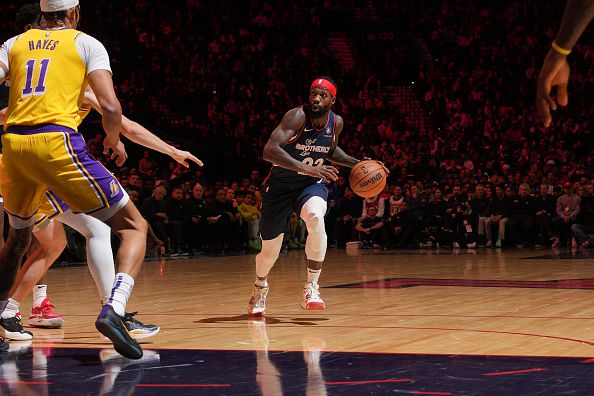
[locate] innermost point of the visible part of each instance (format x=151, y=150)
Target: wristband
x=560, y=49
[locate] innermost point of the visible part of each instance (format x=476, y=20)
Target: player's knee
x=142, y=226
x=270, y=250
x=58, y=242
x=314, y=222
x=313, y=213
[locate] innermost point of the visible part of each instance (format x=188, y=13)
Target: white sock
x=122, y=287
x=39, y=294
x=11, y=309
x=313, y=275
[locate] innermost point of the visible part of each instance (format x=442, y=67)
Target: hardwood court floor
x=200, y=303
x=519, y=303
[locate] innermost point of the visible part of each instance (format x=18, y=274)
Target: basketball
x=368, y=178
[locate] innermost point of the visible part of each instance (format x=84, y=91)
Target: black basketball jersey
x=311, y=146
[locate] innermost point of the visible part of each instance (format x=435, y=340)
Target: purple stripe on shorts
x=109, y=185
x=55, y=200
x=43, y=128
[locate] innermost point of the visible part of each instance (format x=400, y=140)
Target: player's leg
x=102, y=266
x=47, y=246
x=264, y=262
x=23, y=194
x=48, y=243
x=51, y=240
x=131, y=228
x=313, y=212
x=98, y=247
x=276, y=214
x=87, y=186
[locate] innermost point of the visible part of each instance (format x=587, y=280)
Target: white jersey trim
x=93, y=53
x=5, y=50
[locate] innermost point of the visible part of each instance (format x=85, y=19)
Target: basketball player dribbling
x=298, y=148
x=49, y=70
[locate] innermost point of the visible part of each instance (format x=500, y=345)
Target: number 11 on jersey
x=40, y=87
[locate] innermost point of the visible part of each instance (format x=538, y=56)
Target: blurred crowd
x=217, y=76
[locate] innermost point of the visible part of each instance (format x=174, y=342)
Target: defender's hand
x=183, y=157
x=554, y=73
x=118, y=151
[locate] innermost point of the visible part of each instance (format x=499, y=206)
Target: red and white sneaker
x=311, y=298
x=257, y=303
x=44, y=316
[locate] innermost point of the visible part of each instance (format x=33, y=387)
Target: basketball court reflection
x=268, y=376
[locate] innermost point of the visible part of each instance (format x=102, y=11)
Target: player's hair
x=54, y=16
x=27, y=15
x=327, y=78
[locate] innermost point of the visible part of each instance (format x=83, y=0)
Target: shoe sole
x=55, y=323
x=120, y=343
x=141, y=334
x=14, y=336
x=314, y=306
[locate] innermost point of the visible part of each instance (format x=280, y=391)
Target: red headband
x=320, y=82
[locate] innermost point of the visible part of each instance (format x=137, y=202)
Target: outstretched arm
x=577, y=15
x=555, y=69
x=142, y=136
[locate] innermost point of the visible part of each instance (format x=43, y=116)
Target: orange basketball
x=368, y=178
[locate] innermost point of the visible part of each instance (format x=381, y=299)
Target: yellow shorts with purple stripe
x=51, y=207
x=52, y=157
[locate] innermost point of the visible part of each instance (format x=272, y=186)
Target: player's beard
x=320, y=112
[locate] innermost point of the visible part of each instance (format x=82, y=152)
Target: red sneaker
x=311, y=298
x=44, y=316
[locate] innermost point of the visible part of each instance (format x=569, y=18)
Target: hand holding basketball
x=368, y=178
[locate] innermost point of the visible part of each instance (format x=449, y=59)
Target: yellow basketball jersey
x=83, y=112
x=47, y=79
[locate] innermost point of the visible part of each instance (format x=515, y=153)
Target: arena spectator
x=349, y=210
x=567, y=209
x=545, y=211
x=521, y=212
x=370, y=227
x=177, y=221
x=196, y=209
